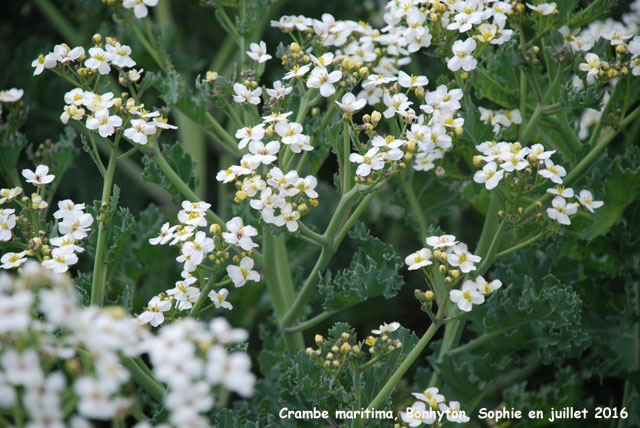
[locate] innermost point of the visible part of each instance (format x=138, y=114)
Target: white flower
x=398, y=103
x=279, y=91
x=61, y=259
x=485, y=287
x=245, y=95
x=553, y=172
x=349, y=104
x=290, y=217
x=232, y=371
x=7, y=195
x=441, y=241
x=15, y=311
x=11, y=260
x=412, y=81
x=460, y=257
x=154, y=314
x=184, y=294
x=561, y=191
x=120, y=55
x=614, y=37
x=321, y=79
x=22, y=368
x=39, y=177
x=11, y=95
x=462, y=55
x=370, y=161
x=76, y=227
x=219, y=298
x=104, y=123
x=418, y=414
x=453, y=412
x=377, y=80
x=467, y=297
x=430, y=396
x=539, y=151
x=418, y=259
x=98, y=60
x=264, y=154
x=43, y=62
x=249, y=134
x=591, y=66
x=586, y=199
x=544, y=8
x=385, y=328
x=139, y=131
x=166, y=235
x=560, y=210
x=489, y=175
x=243, y=273
x=307, y=186
x=258, y=52
x=239, y=234
x=95, y=398
x=139, y=6
x=7, y=223
x=297, y=72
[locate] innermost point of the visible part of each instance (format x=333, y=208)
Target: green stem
x=415, y=206
x=231, y=143
x=479, y=341
x=314, y=236
x=148, y=383
x=305, y=325
x=99, y=265
x=58, y=20
x=520, y=245
x=193, y=140
x=346, y=150
x=175, y=179
x=148, y=47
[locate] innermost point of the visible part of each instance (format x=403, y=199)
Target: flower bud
x=436, y=254
x=536, y=49
x=314, y=202
x=330, y=356
x=335, y=349
x=348, y=63
x=370, y=340
x=211, y=76
x=215, y=229
x=459, y=131
x=356, y=349
x=294, y=47
x=428, y=295
x=375, y=117
x=440, y=172
x=442, y=269
x=345, y=347
x=96, y=39
x=363, y=72
x=455, y=273
x=319, y=339
x=621, y=49
x=477, y=161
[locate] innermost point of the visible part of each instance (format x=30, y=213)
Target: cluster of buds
x=382, y=345
x=333, y=355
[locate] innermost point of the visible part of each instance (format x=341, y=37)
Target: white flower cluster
x=500, y=118
x=195, y=249
x=431, y=403
x=620, y=35
x=511, y=158
x=73, y=224
x=454, y=257
x=190, y=356
x=279, y=196
x=11, y=95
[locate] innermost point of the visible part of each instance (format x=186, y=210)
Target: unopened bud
x=319, y=339
x=477, y=161
x=459, y=131
x=215, y=229
x=455, y=273
x=442, y=269
x=294, y=47
x=429, y=295
x=348, y=63
x=211, y=76
x=96, y=39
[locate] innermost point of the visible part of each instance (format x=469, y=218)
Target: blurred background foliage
x=563, y=331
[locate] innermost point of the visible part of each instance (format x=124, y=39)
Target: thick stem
x=346, y=150
x=142, y=378
x=99, y=265
x=415, y=207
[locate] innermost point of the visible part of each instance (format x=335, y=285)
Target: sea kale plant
x=397, y=214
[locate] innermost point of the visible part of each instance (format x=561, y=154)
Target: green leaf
x=373, y=272
x=181, y=162
x=622, y=182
